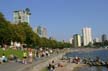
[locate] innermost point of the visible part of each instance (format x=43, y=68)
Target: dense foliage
x=101, y=44
x=23, y=33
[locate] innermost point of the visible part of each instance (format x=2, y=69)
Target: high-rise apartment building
x=21, y=16
x=104, y=37
x=44, y=32
x=41, y=31
x=77, y=40
x=87, y=36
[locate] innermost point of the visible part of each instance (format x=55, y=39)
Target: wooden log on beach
x=97, y=64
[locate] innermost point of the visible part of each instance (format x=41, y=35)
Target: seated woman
x=4, y=58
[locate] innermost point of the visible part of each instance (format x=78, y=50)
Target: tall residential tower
x=87, y=36
x=41, y=31
x=104, y=37
x=21, y=16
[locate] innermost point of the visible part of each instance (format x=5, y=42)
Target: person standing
x=24, y=57
x=30, y=56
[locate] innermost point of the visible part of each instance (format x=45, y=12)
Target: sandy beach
x=68, y=66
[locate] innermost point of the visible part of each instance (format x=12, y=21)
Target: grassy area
x=9, y=51
x=44, y=69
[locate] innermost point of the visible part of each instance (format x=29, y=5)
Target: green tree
x=5, y=30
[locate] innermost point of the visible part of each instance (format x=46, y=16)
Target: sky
x=62, y=18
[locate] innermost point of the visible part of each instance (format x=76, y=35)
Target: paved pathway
x=10, y=66
x=14, y=66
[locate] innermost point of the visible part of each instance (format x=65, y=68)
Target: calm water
x=103, y=54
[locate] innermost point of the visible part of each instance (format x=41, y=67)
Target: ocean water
x=93, y=69
x=102, y=54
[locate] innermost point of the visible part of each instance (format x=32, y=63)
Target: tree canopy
x=23, y=33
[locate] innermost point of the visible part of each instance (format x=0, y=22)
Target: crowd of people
x=28, y=55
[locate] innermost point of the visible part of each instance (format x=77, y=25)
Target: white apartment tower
x=21, y=16
x=87, y=36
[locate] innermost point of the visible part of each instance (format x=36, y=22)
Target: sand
x=69, y=66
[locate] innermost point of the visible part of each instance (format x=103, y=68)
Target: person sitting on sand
x=97, y=59
x=76, y=60
x=13, y=57
x=51, y=66
x=60, y=65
